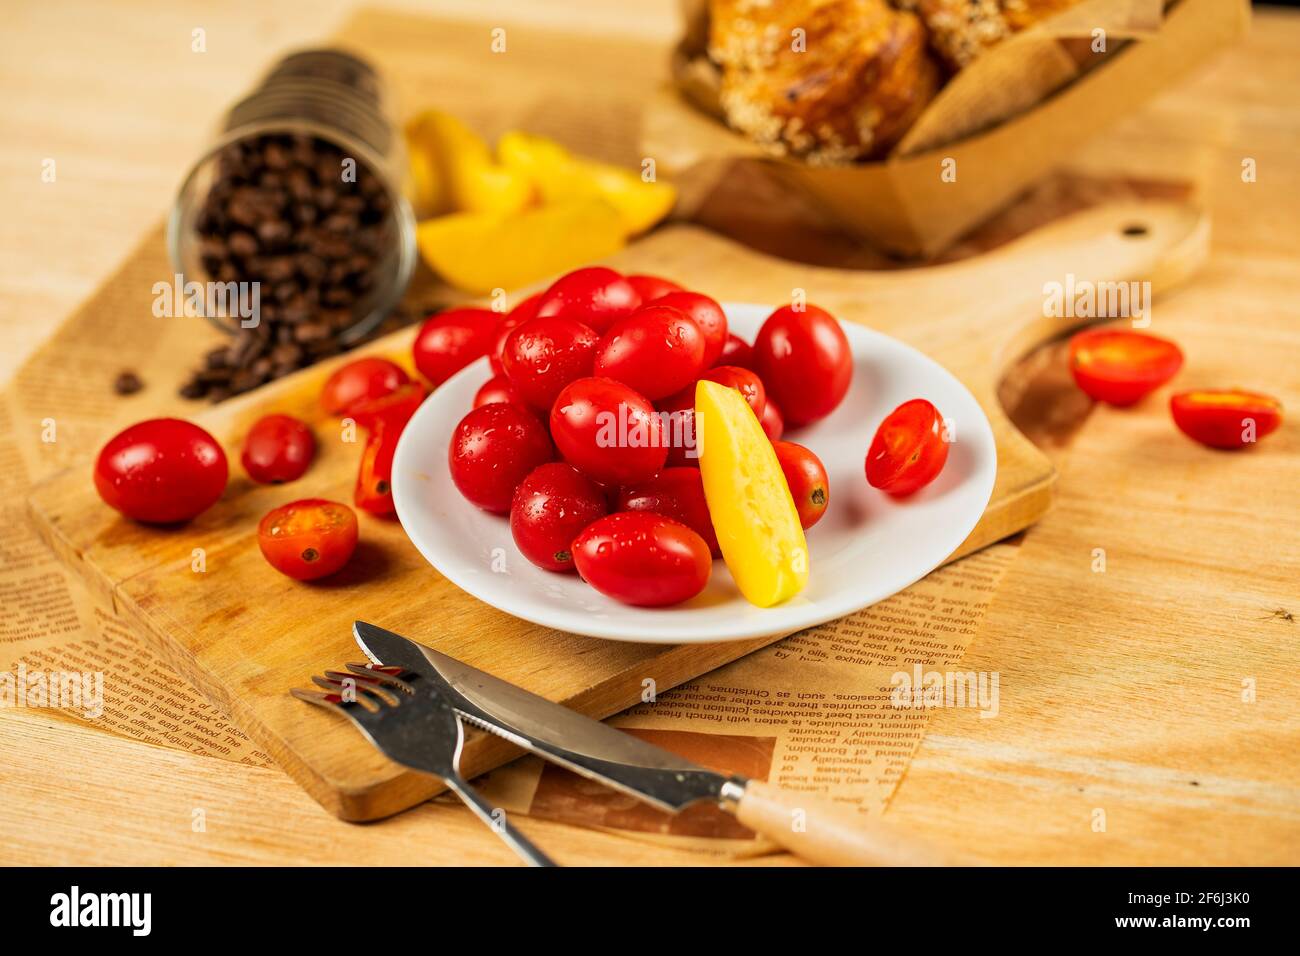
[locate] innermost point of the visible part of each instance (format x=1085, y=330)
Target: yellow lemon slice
x=453, y=170
x=559, y=176
x=753, y=513
x=479, y=252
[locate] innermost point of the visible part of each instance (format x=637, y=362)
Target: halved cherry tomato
x=546, y=353
x=650, y=288
x=496, y=389
x=394, y=409
x=771, y=420
x=596, y=296
x=708, y=315
x=374, y=488
x=909, y=450
x=359, y=381
x=1119, y=367
x=1226, y=418
x=277, y=448
x=493, y=449
x=805, y=475
x=551, y=507
x=308, y=539
x=519, y=314
x=386, y=419
x=804, y=360
x=451, y=340
x=643, y=559
x=742, y=380
x=676, y=493
x=657, y=350
x=736, y=351
x=607, y=431
x=161, y=470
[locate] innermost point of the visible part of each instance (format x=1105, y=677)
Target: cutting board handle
x=821, y=832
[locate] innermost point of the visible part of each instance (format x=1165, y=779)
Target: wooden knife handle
x=820, y=832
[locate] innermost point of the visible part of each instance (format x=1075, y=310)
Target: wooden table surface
x=1122, y=692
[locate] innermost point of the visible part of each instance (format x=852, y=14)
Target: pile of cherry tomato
x=625, y=508
x=627, y=512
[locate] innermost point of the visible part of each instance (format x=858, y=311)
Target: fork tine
x=372, y=683
x=385, y=695
x=383, y=675
x=369, y=695
x=328, y=701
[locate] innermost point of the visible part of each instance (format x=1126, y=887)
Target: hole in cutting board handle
x=1135, y=230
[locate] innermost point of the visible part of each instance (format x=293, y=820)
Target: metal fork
x=411, y=724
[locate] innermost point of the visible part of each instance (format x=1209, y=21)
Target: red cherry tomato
x=277, y=448
x=1227, y=418
x=608, y=431
x=161, y=470
x=1119, y=367
x=773, y=424
x=657, y=350
x=497, y=389
x=359, y=381
x=492, y=450
x=643, y=559
x=736, y=351
x=451, y=340
x=394, y=409
x=386, y=419
x=650, y=288
x=742, y=380
x=373, y=492
x=908, y=451
x=308, y=539
x=806, y=477
x=676, y=493
x=518, y=315
x=677, y=414
x=595, y=296
x=804, y=360
x=551, y=507
x=708, y=315
x=546, y=353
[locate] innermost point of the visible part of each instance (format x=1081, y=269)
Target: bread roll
x=830, y=81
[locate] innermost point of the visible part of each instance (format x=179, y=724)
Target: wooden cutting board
x=244, y=635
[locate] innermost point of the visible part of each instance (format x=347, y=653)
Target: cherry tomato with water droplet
x=643, y=559
x=550, y=508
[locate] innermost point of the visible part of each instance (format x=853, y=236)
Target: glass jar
x=324, y=102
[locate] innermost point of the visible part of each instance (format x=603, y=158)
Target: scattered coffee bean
x=127, y=383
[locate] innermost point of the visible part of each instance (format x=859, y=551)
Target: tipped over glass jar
x=291, y=232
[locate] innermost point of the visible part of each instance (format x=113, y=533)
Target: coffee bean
x=274, y=232
x=280, y=213
x=127, y=383
x=311, y=332
x=242, y=244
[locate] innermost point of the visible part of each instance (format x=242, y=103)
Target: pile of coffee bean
x=287, y=212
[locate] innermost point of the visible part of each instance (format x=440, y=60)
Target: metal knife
x=808, y=826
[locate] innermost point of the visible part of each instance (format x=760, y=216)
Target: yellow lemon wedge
x=749, y=501
x=453, y=169
x=559, y=176
x=479, y=252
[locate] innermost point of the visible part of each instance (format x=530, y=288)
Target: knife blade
x=586, y=746
x=804, y=824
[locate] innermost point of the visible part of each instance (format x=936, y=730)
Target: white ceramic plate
x=867, y=546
